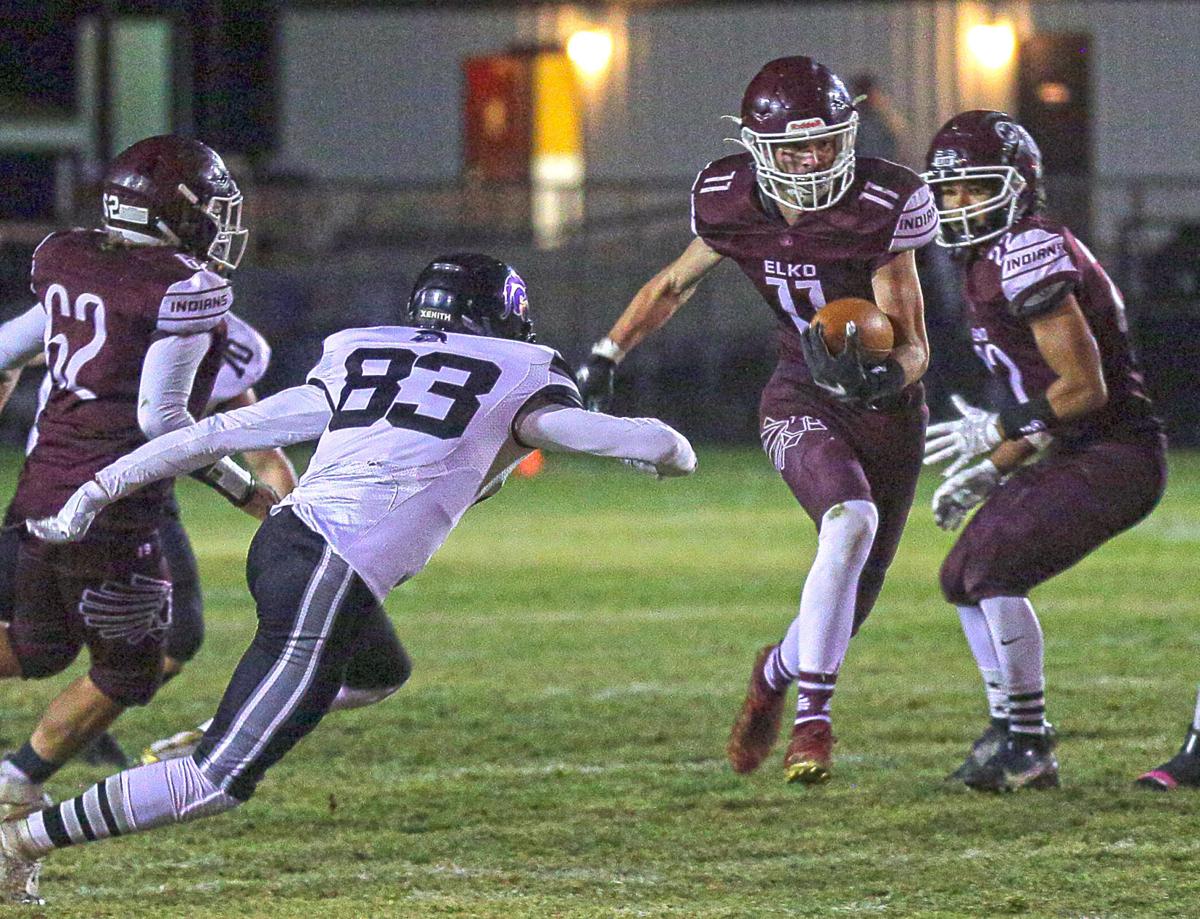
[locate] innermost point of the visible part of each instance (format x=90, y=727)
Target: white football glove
x=976, y=432
x=76, y=516
x=963, y=491
x=682, y=461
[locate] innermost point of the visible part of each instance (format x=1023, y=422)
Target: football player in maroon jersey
x=131, y=321
x=808, y=221
x=1047, y=320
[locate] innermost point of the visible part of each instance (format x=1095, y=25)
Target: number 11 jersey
x=421, y=429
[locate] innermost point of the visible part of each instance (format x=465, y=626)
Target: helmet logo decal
x=947, y=159
x=806, y=124
x=127, y=213
x=516, y=301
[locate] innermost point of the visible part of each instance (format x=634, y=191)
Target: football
x=875, y=333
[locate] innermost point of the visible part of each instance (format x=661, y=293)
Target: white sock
x=818, y=637
x=142, y=798
x=1020, y=651
x=979, y=639
x=11, y=772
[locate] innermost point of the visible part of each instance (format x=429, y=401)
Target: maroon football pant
x=1049, y=515
x=829, y=452
x=111, y=593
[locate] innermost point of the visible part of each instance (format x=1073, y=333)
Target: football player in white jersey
x=414, y=424
x=244, y=360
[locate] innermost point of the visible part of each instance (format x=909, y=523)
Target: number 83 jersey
x=421, y=429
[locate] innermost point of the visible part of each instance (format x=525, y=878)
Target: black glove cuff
x=1027, y=418
x=884, y=380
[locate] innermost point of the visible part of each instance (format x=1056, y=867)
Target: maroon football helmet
x=174, y=190
x=984, y=146
x=795, y=100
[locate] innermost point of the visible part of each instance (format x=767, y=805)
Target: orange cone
x=531, y=465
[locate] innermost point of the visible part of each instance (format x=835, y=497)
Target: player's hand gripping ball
x=875, y=333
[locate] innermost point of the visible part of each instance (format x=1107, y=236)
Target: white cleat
x=18, y=874
x=19, y=877
x=177, y=745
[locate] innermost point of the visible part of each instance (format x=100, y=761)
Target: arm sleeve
x=575, y=430
x=290, y=417
x=22, y=338
x=168, y=373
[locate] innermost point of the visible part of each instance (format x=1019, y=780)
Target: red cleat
x=757, y=726
x=809, y=758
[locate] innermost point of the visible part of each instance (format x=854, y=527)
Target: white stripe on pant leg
x=248, y=706
x=289, y=707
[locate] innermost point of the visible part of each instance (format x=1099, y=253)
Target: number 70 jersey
x=421, y=429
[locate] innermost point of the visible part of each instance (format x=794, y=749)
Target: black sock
x=1000, y=724
x=38, y=769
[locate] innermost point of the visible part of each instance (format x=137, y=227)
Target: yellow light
x=590, y=50
x=993, y=45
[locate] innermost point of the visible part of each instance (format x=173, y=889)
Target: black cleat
x=984, y=747
x=1180, y=771
x=1023, y=761
x=105, y=751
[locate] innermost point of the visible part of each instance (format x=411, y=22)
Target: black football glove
x=595, y=381
x=846, y=377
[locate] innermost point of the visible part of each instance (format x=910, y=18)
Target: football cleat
x=809, y=757
x=1023, y=761
x=177, y=745
x=757, y=726
x=985, y=746
x=105, y=751
x=19, y=877
x=1181, y=771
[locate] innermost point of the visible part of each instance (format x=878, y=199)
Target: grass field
x=581, y=646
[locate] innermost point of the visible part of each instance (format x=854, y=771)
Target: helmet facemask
x=229, y=238
x=981, y=221
x=811, y=191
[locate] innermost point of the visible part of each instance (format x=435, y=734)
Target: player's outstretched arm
x=897, y=292
x=647, y=312
x=640, y=440
x=290, y=417
x=272, y=467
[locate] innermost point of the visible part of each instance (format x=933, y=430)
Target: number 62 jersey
x=421, y=427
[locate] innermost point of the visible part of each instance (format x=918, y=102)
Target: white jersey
x=243, y=362
x=421, y=429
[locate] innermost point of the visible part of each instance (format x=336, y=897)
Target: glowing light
x=590, y=50
x=992, y=45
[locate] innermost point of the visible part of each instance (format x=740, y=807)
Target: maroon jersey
x=827, y=254
x=1027, y=272
x=105, y=304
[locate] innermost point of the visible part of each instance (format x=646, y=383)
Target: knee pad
x=950, y=577
x=185, y=635
x=849, y=528
x=45, y=660
x=127, y=688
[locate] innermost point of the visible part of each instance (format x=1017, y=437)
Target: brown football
x=875, y=333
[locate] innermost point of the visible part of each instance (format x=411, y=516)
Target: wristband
x=609, y=350
x=1027, y=418
x=229, y=480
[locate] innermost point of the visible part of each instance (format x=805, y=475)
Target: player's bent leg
x=310, y=609
x=378, y=666
x=185, y=634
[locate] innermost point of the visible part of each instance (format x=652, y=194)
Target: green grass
x=581, y=646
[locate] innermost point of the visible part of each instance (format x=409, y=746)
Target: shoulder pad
x=917, y=223
x=720, y=194
x=195, y=304
x=1030, y=263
